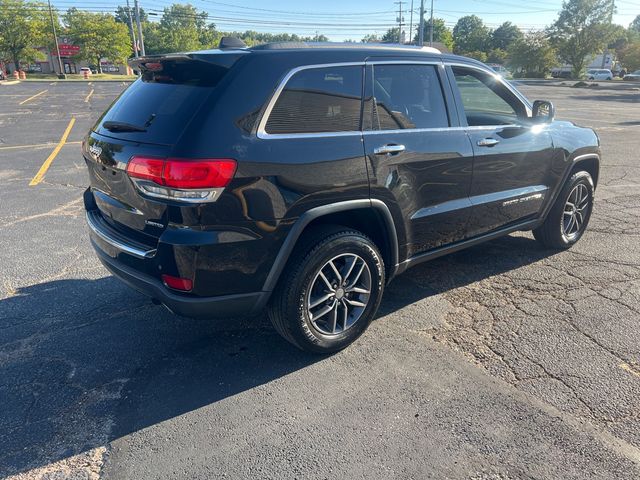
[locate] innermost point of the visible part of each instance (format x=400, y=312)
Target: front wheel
x=570, y=214
x=330, y=290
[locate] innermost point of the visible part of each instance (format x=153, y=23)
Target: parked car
x=85, y=69
x=304, y=177
x=632, y=77
x=599, y=74
x=500, y=70
x=564, y=72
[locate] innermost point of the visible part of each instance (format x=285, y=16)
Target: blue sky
x=341, y=20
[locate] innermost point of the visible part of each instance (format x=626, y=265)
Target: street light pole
x=132, y=31
x=55, y=40
x=431, y=27
x=140, y=37
x=421, y=29
x=411, y=25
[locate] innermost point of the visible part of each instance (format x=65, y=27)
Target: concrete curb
x=9, y=82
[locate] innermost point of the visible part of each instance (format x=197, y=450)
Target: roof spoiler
x=212, y=57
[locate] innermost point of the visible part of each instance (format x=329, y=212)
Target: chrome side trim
x=114, y=242
x=262, y=133
x=509, y=197
x=441, y=129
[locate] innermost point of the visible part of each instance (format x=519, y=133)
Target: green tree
x=583, y=28
x=441, y=33
x=391, y=36
x=183, y=28
x=23, y=27
x=532, y=56
x=371, y=38
x=153, y=42
x=635, y=25
x=123, y=17
x=98, y=35
x=470, y=35
x=497, y=55
x=630, y=56
x=506, y=34
x=478, y=55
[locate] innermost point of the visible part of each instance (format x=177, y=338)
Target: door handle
x=488, y=142
x=389, y=149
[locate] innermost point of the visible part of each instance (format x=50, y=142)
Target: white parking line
x=86, y=100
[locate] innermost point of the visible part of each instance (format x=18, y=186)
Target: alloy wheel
x=575, y=211
x=339, y=294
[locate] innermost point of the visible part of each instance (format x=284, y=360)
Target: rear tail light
x=182, y=180
x=177, y=283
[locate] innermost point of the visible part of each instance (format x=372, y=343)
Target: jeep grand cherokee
x=304, y=177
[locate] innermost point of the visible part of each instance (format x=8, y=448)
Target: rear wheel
x=570, y=214
x=330, y=290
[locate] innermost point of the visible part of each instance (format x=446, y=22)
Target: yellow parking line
x=86, y=100
x=32, y=97
x=35, y=145
x=628, y=368
x=45, y=166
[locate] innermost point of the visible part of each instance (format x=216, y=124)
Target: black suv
x=304, y=177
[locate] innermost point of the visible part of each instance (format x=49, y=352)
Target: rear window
x=319, y=100
x=162, y=101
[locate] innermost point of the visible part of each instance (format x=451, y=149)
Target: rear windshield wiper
x=122, y=127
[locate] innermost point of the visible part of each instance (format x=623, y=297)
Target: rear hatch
x=147, y=120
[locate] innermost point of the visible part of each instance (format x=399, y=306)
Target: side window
x=485, y=100
x=319, y=100
x=408, y=96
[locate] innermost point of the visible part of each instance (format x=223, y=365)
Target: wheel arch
x=371, y=217
x=589, y=162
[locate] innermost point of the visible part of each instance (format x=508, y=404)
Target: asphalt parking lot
x=503, y=361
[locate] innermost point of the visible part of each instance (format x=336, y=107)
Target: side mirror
x=543, y=111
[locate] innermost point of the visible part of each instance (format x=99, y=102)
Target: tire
x=294, y=311
x=558, y=231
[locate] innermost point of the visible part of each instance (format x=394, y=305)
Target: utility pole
x=421, y=29
x=132, y=31
x=411, y=24
x=140, y=37
x=400, y=20
x=431, y=27
x=55, y=40
x=605, y=53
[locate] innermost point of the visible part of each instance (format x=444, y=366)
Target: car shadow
x=83, y=362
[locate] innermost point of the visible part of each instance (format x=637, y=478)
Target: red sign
x=68, y=50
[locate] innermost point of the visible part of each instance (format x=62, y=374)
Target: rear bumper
x=195, y=307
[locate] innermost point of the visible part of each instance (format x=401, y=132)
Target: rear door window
x=317, y=100
x=408, y=97
x=162, y=102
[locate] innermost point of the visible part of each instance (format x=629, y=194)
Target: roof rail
x=339, y=45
